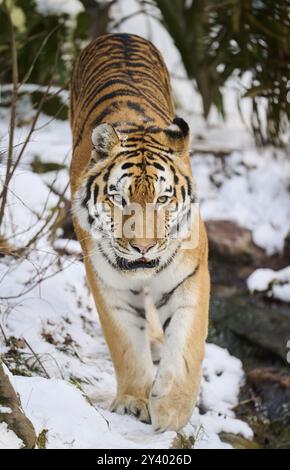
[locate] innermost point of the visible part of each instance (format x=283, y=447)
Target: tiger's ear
x=179, y=136
x=104, y=139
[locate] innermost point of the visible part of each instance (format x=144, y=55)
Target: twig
x=4, y=335
x=244, y=402
x=38, y=282
x=57, y=365
x=44, y=42
x=118, y=23
x=48, y=220
x=37, y=359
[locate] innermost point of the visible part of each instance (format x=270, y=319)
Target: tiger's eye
x=162, y=199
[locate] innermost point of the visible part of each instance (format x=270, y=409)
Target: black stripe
x=182, y=189
x=127, y=165
x=167, y=295
x=98, y=90
x=113, y=265
x=136, y=107
x=108, y=171
x=125, y=175
x=188, y=185
x=158, y=166
x=168, y=262
x=140, y=311
x=166, y=323
x=88, y=188
x=176, y=179
x=186, y=364
x=96, y=192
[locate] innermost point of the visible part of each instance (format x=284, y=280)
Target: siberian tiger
x=151, y=292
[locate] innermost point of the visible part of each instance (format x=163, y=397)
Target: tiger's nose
x=142, y=247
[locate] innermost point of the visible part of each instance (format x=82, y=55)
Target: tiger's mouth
x=140, y=263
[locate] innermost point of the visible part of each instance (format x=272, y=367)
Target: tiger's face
x=136, y=196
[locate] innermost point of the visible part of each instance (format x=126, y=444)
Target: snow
x=275, y=283
x=221, y=379
x=8, y=439
x=5, y=409
x=250, y=188
x=30, y=199
x=220, y=385
x=59, y=7
x=69, y=246
x=73, y=423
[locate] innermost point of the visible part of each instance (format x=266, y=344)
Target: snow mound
x=8, y=439
x=275, y=283
x=57, y=7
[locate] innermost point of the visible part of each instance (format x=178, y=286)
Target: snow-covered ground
x=50, y=335
x=57, y=333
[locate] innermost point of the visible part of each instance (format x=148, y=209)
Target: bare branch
x=12, y=117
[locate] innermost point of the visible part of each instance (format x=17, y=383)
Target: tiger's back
x=120, y=79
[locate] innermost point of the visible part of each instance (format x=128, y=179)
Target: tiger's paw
x=169, y=405
x=166, y=415
x=128, y=404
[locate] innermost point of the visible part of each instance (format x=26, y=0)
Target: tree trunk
x=15, y=419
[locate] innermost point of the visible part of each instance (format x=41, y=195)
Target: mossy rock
x=238, y=442
x=52, y=106
x=38, y=166
x=263, y=323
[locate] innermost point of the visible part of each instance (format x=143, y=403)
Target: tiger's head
x=135, y=197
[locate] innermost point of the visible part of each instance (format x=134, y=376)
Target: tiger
x=150, y=290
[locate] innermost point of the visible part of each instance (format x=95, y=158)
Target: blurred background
x=229, y=63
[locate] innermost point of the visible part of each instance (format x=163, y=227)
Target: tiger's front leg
x=175, y=389
x=124, y=326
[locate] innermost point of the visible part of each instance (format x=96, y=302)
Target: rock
x=238, y=442
x=273, y=388
x=228, y=239
x=269, y=374
x=265, y=404
x=286, y=251
x=264, y=323
x=52, y=106
x=39, y=166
